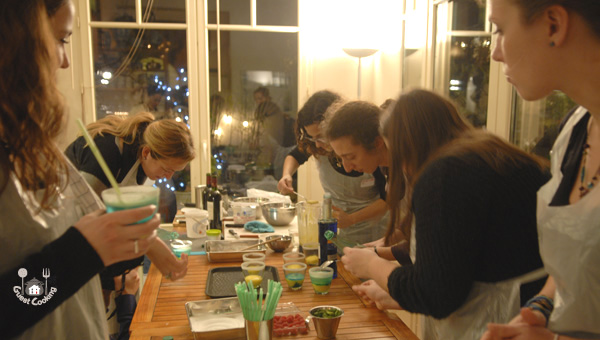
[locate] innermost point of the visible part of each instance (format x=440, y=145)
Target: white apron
x=570, y=247
x=352, y=194
x=82, y=315
x=496, y=302
x=131, y=177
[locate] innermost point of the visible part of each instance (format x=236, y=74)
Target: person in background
x=53, y=226
x=154, y=95
x=549, y=45
x=358, y=198
x=276, y=131
x=470, y=214
x=135, y=148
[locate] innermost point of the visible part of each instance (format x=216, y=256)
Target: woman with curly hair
x=358, y=198
x=52, y=224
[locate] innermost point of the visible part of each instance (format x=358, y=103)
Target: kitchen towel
x=259, y=227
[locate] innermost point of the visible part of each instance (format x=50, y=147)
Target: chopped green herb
x=327, y=313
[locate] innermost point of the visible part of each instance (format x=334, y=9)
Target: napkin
x=259, y=227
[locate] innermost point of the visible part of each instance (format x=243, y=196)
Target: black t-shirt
x=570, y=164
x=380, y=179
x=119, y=163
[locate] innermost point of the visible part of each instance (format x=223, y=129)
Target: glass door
x=138, y=52
x=535, y=125
x=253, y=85
x=461, y=53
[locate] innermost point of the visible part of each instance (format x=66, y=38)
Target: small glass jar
x=181, y=246
x=259, y=257
x=213, y=234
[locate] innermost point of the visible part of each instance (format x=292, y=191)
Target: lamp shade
x=360, y=52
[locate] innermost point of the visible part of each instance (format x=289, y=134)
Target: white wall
x=326, y=27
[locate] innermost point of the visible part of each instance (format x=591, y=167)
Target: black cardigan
x=472, y=224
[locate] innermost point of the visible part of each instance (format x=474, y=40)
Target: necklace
x=584, y=188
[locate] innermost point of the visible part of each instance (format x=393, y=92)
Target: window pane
x=158, y=57
x=165, y=10
x=535, y=124
x=113, y=10
x=468, y=15
x=465, y=77
x=252, y=116
x=277, y=12
x=211, y=11
x=235, y=12
x=462, y=65
x=124, y=10
x=154, y=79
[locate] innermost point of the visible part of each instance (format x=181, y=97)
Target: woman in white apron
x=358, y=197
x=135, y=148
x=555, y=46
x=472, y=201
x=52, y=231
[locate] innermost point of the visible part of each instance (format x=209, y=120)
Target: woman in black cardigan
x=471, y=217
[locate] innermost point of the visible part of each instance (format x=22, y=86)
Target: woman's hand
x=376, y=243
x=515, y=332
x=167, y=263
x=359, y=261
x=114, y=236
x=526, y=318
x=371, y=293
x=344, y=220
x=285, y=185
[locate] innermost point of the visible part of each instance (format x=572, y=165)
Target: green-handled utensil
x=99, y=158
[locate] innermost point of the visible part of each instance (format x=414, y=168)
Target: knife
x=232, y=232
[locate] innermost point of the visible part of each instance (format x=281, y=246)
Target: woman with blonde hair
x=52, y=231
x=135, y=148
x=470, y=212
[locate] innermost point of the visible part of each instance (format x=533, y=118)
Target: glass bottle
x=214, y=206
x=327, y=249
x=206, y=192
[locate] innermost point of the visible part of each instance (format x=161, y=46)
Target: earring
x=552, y=44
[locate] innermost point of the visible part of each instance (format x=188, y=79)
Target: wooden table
x=161, y=309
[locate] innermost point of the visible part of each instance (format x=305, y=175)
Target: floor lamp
x=359, y=53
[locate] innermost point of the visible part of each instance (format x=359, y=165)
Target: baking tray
x=221, y=281
x=228, y=250
x=216, y=319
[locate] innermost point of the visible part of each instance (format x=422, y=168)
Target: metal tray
x=228, y=251
x=221, y=281
x=216, y=319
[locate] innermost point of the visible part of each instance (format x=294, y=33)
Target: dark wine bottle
x=206, y=191
x=215, y=203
